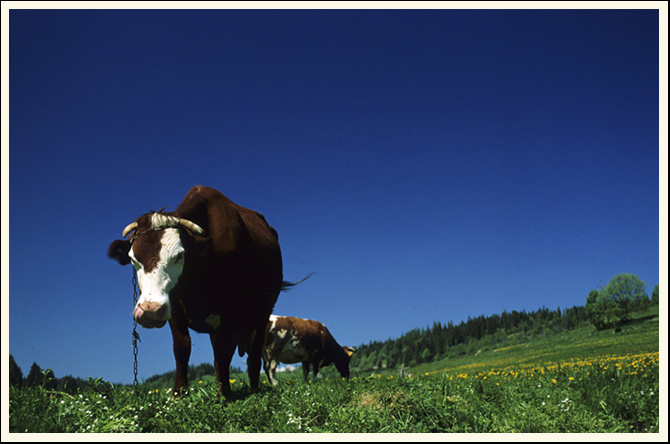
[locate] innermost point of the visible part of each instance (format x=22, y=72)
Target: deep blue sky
x=429, y=165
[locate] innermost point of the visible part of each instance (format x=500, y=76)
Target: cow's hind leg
x=254, y=359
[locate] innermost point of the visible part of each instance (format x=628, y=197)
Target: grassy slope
x=521, y=388
x=640, y=336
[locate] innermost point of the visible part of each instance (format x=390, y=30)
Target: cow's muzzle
x=151, y=314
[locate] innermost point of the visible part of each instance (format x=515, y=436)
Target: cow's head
x=157, y=249
x=342, y=361
x=348, y=351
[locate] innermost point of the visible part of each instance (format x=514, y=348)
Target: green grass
x=579, y=381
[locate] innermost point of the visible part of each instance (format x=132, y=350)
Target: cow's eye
x=179, y=258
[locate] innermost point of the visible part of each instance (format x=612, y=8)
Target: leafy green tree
x=613, y=304
x=629, y=292
x=595, y=310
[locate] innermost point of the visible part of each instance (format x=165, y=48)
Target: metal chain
x=136, y=336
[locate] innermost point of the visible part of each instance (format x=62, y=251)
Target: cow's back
x=242, y=269
x=235, y=231
x=292, y=340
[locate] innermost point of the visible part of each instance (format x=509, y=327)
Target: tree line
x=44, y=378
x=450, y=340
x=69, y=384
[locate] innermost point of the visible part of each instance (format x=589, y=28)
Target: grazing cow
x=291, y=340
x=212, y=266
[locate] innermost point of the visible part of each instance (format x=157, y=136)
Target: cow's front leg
x=224, y=348
x=181, y=345
x=270, y=367
x=315, y=370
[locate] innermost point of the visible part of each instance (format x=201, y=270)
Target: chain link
x=136, y=336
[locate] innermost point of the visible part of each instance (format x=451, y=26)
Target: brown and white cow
x=292, y=340
x=212, y=266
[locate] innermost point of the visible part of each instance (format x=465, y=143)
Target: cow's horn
x=191, y=226
x=128, y=229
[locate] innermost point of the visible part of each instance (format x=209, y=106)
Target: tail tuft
x=286, y=285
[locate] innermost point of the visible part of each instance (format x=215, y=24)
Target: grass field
x=582, y=380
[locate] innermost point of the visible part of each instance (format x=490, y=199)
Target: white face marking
x=155, y=286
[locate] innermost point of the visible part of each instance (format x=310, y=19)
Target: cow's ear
x=118, y=250
x=198, y=245
x=204, y=245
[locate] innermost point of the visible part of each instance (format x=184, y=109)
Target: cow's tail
x=286, y=285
